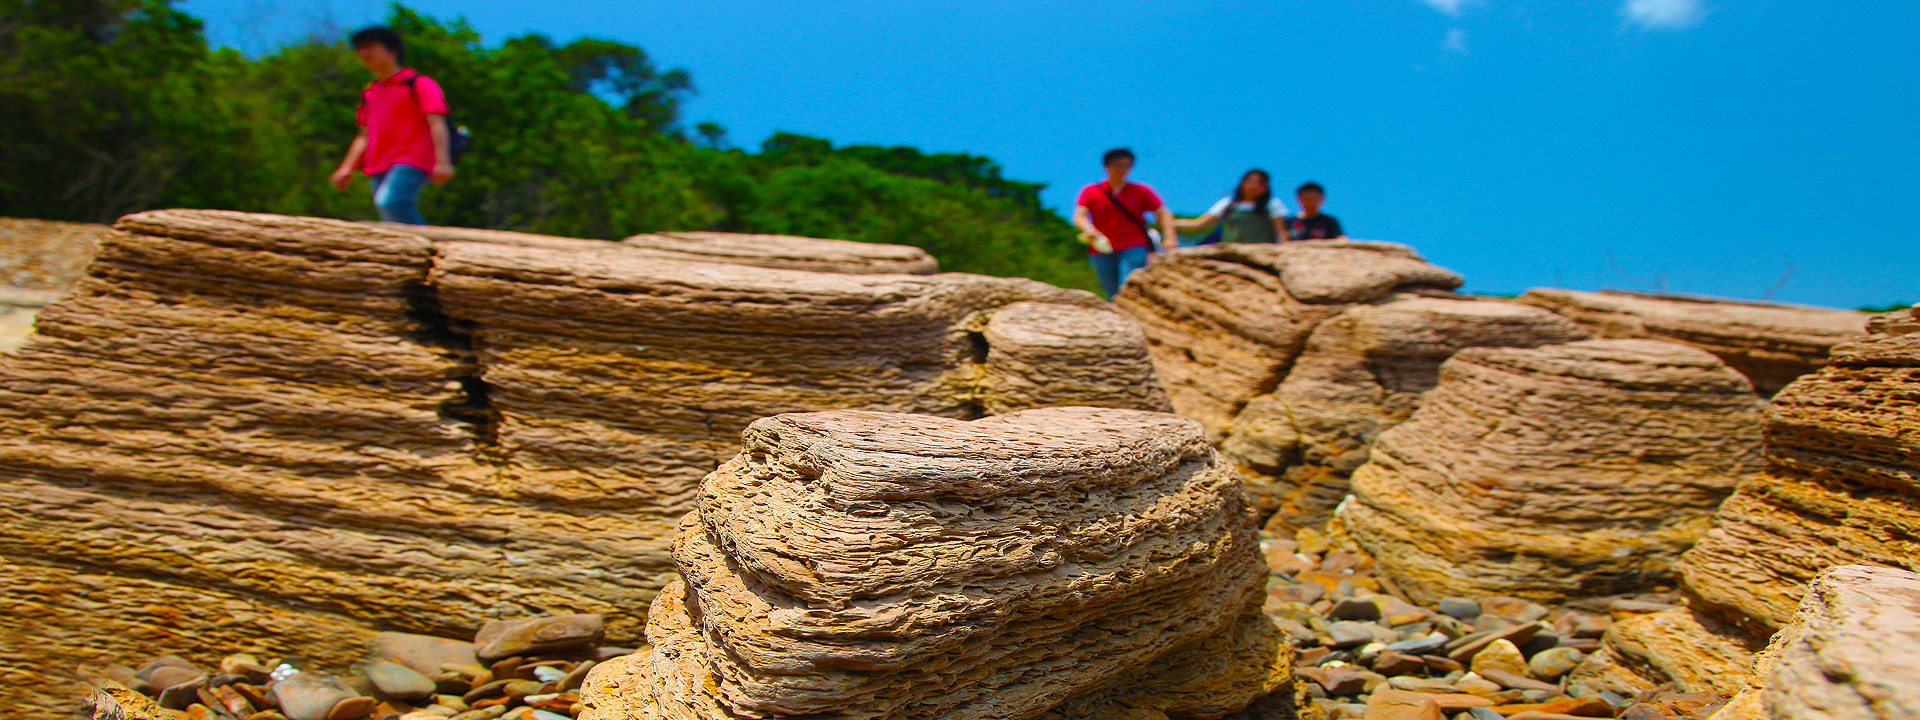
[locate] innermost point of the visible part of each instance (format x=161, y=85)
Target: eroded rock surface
x=1362, y=372
x=1225, y=322
x=1770, y=343
x=1852, y=650
x=789, y=252
x=860, y=564
x=1843, y=447
x=360, y=428
x=1583, y=468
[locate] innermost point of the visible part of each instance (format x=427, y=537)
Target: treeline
x=115, y=106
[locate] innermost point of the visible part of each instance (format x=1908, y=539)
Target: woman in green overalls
x=1251, y=215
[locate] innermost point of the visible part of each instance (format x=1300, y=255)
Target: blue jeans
x=1114, y=267
x=396, y=193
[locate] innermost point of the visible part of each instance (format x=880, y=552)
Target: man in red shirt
x=1111, y=215
x=403, y=140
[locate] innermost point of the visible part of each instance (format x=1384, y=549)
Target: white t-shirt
x=1275, y=208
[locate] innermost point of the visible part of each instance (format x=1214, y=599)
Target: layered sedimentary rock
x=1579, y=468
x=1695, y=652
x=1852, y=650
x=770, y=251
x=1225, y=322
x=364, y=428
x=871, y=565
x=1362, y=372
x=1770, y=343
x=1843, y=447
x=789, y=252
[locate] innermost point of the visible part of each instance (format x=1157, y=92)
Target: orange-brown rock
x=1362, y=372
x=1851, y=651
x=1843, y=447
x=1555, y=471
x=238, y=424
x=859, y=564
x=39, y=260
x=769, y=251
x=1225, y=322
x=1770, y=343
x=1696, y=653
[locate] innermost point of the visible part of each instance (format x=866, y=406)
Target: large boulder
x=239, y=423
x=1362, y=372
x=1770, y=343
x=1556, y=471
x=1852, y=650
x=1225, y=322
x=1843, y=485
x=860, y=564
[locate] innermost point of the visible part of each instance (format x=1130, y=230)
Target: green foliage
x=1886, y=308
x=582, y=139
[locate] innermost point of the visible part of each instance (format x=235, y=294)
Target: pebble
x=1499, y=655
x=505, y=638
x=1423, y=685
x=1518, y=682
x=1553, y=663
x=548, y=673
x=1459, y=608
x=1426, y=645
x=353, y=708
x=1477, y=685
x=578, y=675
x=1336, y=680
x=1402, y=705
x=1393, y=662
x=309, y=696
x=1481, y=713
x=1355, y=609
x=396, y=680
x=1349, y=634
x=544, y=715
x=425, y=654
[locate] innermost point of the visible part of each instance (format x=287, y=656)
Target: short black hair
x=1311, y=185
x=380, y=34
x=1115, y=154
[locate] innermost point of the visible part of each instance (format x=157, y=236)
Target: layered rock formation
x=769, y=251
x=1769, y=343
x=1360, y=373
x=1225, y=322
x=1843, y=447
x=789, y=252
x=241, y=423
x=870, y=565
x=1567, y=469
x=1852, y=650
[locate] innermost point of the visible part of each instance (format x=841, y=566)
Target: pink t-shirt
x=1112, y=221
x=395, y=116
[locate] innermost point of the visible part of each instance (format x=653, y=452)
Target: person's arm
x=442, y=149
x=1339, y=233
x=344, y=174
x=1083, y=219
x=1280, y=228
x=1206, y=220
x=1168, y=236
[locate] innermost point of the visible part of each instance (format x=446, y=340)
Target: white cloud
x=1456, y=41
x=1450, y=7
x=1667, y=14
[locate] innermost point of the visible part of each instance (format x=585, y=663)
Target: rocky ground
x=526, y=669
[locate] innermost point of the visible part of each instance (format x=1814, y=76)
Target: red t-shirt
x=1112, y=221
x=395, y=117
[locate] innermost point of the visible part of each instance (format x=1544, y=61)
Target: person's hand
x=1097, y=241
x=341, y=177
x=442, y=172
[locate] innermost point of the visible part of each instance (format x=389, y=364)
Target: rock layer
x=868, y=565
x=1362, y=372
x=1225, y=322
x=1770, y=343
x=789, y=252
x=365, y=428
x=1852, y=650
x=1567, y=469
x=1843, y=447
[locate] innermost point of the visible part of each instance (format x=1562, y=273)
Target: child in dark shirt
x=1311, y=224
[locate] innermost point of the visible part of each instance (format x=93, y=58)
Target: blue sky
x=1701, y=146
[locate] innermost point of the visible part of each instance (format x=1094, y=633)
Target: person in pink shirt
x=404, y=141
x=1111, y=215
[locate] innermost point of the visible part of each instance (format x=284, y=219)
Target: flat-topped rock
x=1225, y=322
x=1843, y=451
x=1362, y=372
x=790, y=252
x=835, y=567
x=1852, y=649
x=361, y=428
x=1770, y=343
x=1583, y=468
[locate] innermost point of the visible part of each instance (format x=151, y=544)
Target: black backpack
x=458, y=137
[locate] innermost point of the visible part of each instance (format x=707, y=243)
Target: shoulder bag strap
x=1139, y=221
